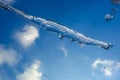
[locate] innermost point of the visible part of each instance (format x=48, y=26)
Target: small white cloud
x=63, y=49
x=9, y=56
x=107, y=71
x=31, y=73
x=108, y=67
x=27, y=36
x=103, y=62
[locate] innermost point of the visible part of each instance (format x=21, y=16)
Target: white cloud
x=63, y=49
x=103, y=62
x=107, y=71
x=108, y=67
x=27, y=36
x=8, y=56
x=31, y=73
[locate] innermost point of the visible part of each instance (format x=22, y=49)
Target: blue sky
x=29, y=53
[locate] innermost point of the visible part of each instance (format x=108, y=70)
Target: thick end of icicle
x=109, y=46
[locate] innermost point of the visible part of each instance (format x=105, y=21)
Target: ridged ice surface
x=61, y=30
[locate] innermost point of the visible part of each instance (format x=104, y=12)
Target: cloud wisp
x=31, y=73
x=27, y=36
x=63, y=49
x=9, y=56
x=108, y=67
